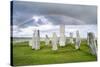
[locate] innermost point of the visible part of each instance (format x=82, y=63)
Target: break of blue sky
x=47, y=17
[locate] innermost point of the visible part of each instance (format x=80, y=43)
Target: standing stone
x=62, y=35
x=87, y=39
x=47, y=40
x=37, y=40
x=33, y=40
x=54, y=42
x=78, y=40
x=67, y=40
x=71, y=38
x=92, y=43
x=30, y=42
x=58, y=40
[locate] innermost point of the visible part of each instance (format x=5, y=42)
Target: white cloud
x=49, y=29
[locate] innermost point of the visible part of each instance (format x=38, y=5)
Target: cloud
x=47, y=17
x=49, y=29
x=23, y=11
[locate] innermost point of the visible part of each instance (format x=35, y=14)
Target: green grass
x=24, y=55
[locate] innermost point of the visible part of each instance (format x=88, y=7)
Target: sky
x=47, y=17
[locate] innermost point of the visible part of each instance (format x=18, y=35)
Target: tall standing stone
x=87, y=39
x=54, y=42
x=37, y=39
x=71, y=38
x=78, y=40
x=33, y=40
x=92, y=43
x=62, y=35
x=47, y=40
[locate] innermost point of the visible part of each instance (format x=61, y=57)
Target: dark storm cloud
x=55, y=13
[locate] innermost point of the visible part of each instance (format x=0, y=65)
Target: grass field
x=24, y=55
